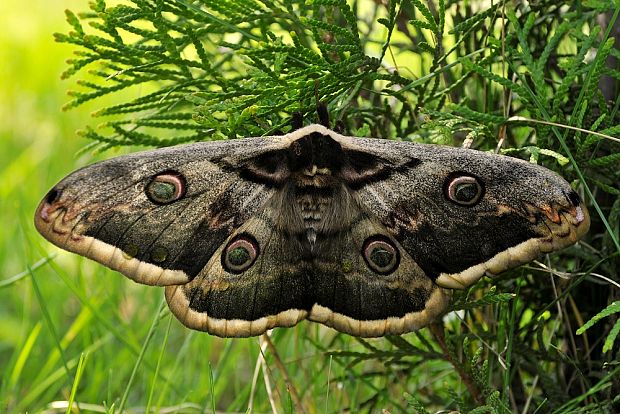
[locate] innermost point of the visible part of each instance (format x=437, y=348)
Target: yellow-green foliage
x=535, y=76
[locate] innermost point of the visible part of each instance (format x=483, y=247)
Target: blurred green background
x=52, y=313
x=45, y=326
x=38, y=140
x=72, y=330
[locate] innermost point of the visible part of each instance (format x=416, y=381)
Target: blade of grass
x=31, y=269
x=49, y=323
x=140, y=358
x=24, y=353
x=158, y=365
x=76, y=381
x=53, y=379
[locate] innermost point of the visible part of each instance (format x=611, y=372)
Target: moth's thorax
x=314, y=176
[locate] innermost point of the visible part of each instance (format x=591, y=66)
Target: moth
x=367, y=236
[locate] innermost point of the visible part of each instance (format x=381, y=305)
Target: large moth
x=365, y=235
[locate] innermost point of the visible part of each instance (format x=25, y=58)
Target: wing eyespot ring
x=463, y=189
x=165, y=188
x=381, y=254
x=240, y=254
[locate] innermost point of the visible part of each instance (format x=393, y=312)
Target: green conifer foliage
x=534, y=79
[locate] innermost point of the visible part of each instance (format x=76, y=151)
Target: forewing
x=106, y=211
x=523, y=210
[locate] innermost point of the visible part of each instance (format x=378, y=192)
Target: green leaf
x=415, y=404
x=430, y=19
x=420, y=24
x=612, y=308
x=522, y=92
x=606, y=188
x=75, y=22
x=475, y=20
x=490, y=297
x=606, y=160
x=600, y=5
x=574, y=66
x=611, y=338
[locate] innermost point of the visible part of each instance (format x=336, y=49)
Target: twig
x=570, y=275
x=538, y=121
x=289, y=384
x=266, y=370
x=260, y=362
x=437, y=331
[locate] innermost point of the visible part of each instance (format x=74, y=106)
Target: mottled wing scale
x=271, y=293
x=351, y=298
x=102, y=211
x=281, y=289
x=526, y=210
x=362, y=235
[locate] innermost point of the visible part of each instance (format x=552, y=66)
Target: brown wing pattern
x=362, y=235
